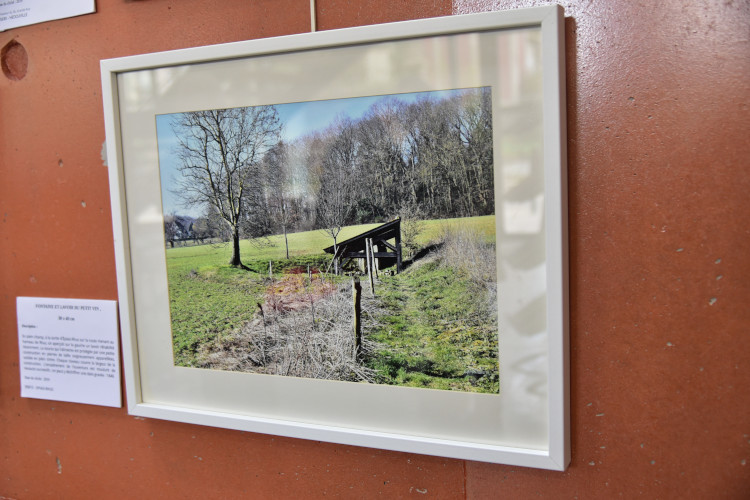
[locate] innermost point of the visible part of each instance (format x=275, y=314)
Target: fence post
x=263, y=317
x=375, y=262
x=367, y=255
x=370, y=264
x=357, y=299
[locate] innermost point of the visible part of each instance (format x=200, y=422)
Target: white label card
x=68, y=350
x=15, y=13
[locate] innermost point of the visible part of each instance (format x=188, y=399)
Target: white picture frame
x=527, y=424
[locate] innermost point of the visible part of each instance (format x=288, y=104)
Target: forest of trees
x=431, y=158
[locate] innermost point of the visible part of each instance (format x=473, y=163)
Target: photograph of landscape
x=348, y=239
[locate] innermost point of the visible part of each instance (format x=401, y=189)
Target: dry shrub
x=466, y=250
x=412, y=225
x=312, y=342
x=296, y=291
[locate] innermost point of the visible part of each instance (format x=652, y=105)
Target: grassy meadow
x=432, y=326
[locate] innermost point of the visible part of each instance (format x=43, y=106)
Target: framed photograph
x=355, y=236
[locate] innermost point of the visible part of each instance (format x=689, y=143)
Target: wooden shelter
x=385, y=241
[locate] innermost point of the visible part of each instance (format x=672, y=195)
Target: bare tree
x=299, y=186
x=201, y=229
x=337, y=180
x=381, y=159
x=170, y=229
x=217, y=228
x=310, y=152
x=281, y=198
x=218, y=150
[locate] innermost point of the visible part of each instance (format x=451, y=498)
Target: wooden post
x=309, y=274
x=270, y=269
x=262, y=316
x=375, y=262
x=398, y=250
x=369, y=257
x=370, y=264
x=357, y=299
x=312, y=309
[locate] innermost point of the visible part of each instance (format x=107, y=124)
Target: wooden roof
x=357, y=243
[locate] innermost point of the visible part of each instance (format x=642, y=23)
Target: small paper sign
x=16, y=13
x=68, y=350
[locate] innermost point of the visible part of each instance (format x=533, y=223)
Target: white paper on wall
x=16, y=13
x=68, y=350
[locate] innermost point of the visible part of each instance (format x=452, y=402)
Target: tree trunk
x=286, y=242
x=235, y=261
x=335, y=257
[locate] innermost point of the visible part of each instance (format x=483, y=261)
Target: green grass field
x=431, y=335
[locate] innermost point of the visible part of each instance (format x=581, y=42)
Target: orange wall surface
x=659, y=176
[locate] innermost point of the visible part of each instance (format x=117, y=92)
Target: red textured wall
x=659, y=175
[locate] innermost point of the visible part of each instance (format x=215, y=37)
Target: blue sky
x=298, y=119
